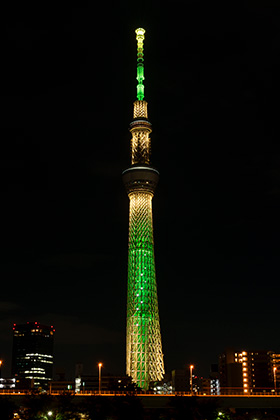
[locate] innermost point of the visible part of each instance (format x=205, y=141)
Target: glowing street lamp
x=99, y=370
x=274, y=376
x=1, y=362
x=191, y=385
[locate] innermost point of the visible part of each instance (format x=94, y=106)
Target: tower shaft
x=144, y=350
x=144, y=358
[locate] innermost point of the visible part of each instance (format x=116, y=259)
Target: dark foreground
x=130, y=407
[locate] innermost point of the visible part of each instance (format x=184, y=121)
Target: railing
x=225, y=393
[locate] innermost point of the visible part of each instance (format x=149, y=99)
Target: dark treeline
x=66, y=407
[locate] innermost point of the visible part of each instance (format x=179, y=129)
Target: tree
x=37, y=407
x=128, y=407
x=192, y=408
x=7, y=408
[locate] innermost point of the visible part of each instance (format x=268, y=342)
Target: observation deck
x=141, y=179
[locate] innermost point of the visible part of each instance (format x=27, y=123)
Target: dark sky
x=67, y=91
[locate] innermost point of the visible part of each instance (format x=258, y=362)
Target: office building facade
x=32, y=357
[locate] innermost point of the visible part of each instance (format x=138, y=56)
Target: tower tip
x=140, y=36
x=139, y=32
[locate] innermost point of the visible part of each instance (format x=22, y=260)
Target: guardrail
x=16, y=392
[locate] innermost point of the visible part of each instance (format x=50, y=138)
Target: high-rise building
x=32, y=356
x=230, y=371
x=249, y=371
x=275, y=369
x=144, y=358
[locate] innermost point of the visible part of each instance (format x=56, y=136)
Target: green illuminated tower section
x=144, y=358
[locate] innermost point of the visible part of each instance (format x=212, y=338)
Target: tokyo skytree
x=144, y=357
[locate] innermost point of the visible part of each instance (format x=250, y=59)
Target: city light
x=99, y=377
x=274, y=376
x=191, y=378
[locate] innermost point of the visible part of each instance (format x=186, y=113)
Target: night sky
x=67, y=90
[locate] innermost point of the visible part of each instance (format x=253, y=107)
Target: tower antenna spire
x=140, y=36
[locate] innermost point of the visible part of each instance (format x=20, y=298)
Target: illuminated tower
x=144, y=358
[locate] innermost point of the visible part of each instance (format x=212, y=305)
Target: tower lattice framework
x=144, y=357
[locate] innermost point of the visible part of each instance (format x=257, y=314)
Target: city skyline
x=237, y=371
x=67, y=91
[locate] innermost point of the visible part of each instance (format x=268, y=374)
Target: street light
x=274, y=376
x=191, y=369
x=99, y=370
x=1, y=362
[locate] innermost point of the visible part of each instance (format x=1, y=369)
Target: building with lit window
x=214, y=380
x=249, y=372
x=275, y=369
x=32, y=357
x=7, y=383
x=230, y=373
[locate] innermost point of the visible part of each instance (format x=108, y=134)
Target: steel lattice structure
x=144, y=357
